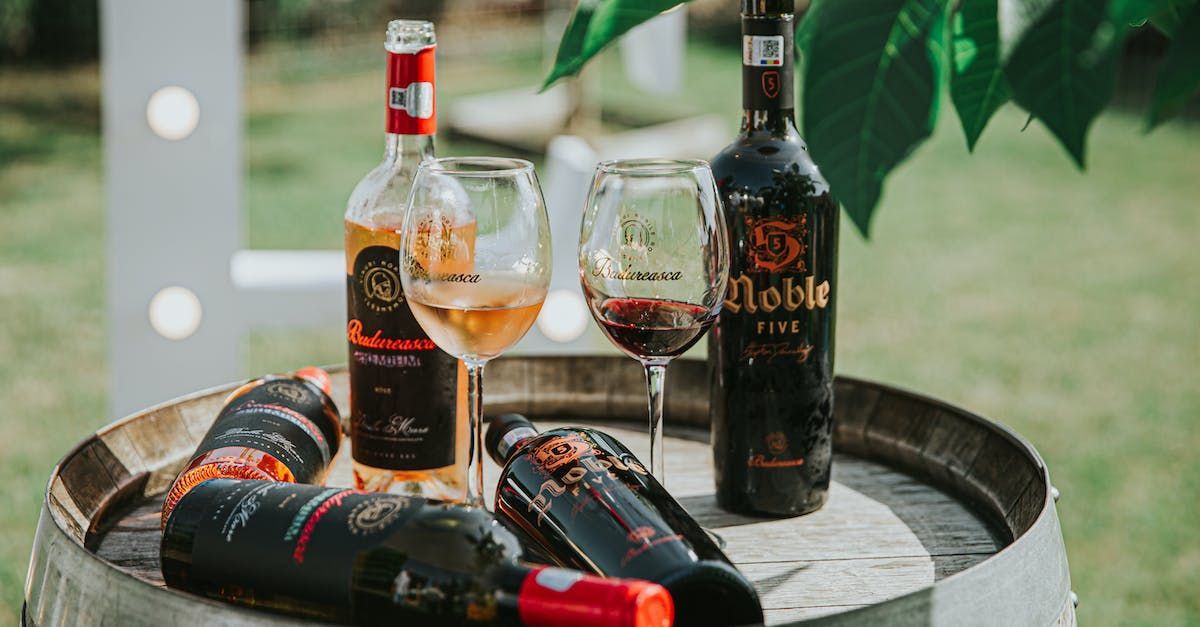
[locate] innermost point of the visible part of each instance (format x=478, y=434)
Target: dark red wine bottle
x=580, y=498
x=770, y=353
x=375, y=559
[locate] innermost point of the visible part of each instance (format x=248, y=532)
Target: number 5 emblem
x=770, y=83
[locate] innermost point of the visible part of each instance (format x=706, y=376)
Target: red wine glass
x=654, y=261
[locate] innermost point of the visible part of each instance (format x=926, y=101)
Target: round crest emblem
x=638, y=237
x=294, y=394
x=641, y=534
x=376, y=514
x=777, y=442
x=560, y=450
x=379, y=281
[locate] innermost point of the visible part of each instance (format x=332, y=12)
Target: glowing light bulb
x=173, y=112
x=564, y=316
x=175, y=312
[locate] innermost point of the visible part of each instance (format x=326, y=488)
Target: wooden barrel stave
x=983, y=464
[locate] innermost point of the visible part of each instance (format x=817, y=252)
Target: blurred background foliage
x=1062, y=304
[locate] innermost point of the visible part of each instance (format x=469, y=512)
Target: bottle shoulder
x=381, y=195
x=453, y=537
x=757, y=160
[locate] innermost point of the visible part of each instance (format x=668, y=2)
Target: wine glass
x=654, y=261
x=475, y=266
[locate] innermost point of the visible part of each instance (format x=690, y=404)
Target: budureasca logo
x=380, y=283
x=637, y=238
x=777, y=244
x=287, y=391
x=375, y=515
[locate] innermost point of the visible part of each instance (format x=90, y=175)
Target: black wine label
x=780, y=292
x=287, y=538
x=403, y=388
x=767, y=54
x=285, y=418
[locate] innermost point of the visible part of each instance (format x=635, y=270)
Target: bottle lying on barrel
x=770, y=352
x=580, y=498
x=374, y=559
x=277, y=428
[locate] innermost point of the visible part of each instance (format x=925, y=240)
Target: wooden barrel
x=936, y=516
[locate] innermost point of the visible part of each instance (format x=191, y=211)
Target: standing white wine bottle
x=770, y=353
x=407, y=397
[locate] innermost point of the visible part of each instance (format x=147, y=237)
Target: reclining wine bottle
x=579, y=497
x=277, y=428
x=353, y=556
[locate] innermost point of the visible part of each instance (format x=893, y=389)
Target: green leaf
x=1136, y=12
x=1051, y=79
x=594, y=25
x=1179, y=77
x=871, y=86
x=977, y=84
x=1014, y=17
x=1124, y=15
x=1169, y=20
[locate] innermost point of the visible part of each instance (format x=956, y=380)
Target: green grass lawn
x=1062, y=304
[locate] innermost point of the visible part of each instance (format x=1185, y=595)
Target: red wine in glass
x=649, y=328
x=654, y=263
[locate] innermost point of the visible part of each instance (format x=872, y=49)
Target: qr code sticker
x=761, y=50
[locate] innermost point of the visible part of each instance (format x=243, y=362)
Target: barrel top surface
x=882, y=534
x=891, y=527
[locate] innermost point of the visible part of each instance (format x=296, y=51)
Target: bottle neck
x=506, y=434
x=768, y=87
x=411, y=103
x=403, y=150
x=512, y=441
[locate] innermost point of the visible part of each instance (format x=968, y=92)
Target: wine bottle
x=276, y=428
x=579, y=497
x=373, y=559
x=770, y=353
x=407, y=397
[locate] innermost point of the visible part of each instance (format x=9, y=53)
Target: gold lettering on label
x=793, y=296
x=573, y=475
x=771, y=299
x=736, y=287
x=601, y=464
x=743, y=295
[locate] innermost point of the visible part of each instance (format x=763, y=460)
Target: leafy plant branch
x=873, y=71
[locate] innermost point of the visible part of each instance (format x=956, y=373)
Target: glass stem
x=475, y=437
x=656, y=376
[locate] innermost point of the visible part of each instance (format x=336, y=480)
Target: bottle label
x=762, y=50
x=767, y=53
x=411, y=108
x=289, y=537
x=403, y=389
x=781, y=286
x=284, y=418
